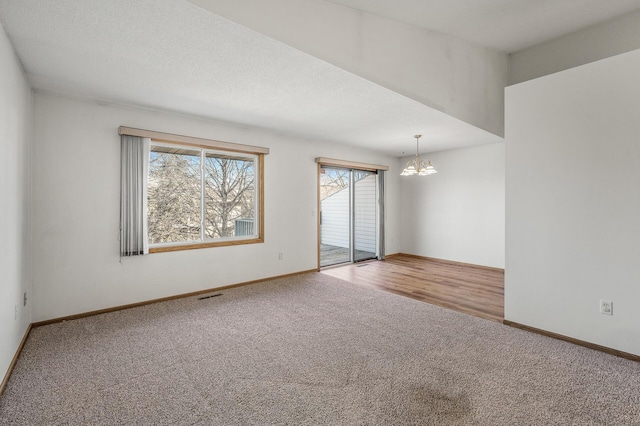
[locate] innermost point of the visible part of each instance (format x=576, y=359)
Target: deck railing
x=243, y=227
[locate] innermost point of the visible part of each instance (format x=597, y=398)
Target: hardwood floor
x=474, y=290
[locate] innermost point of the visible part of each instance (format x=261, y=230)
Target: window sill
x=205, y=245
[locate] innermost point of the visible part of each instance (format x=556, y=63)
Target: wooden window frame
x=208, y=144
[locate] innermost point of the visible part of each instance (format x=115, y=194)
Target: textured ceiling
x=171, y=55
x=505, y=25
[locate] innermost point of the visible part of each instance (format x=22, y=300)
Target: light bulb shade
x=411, y=168
x=430, y=169
x=416, y=166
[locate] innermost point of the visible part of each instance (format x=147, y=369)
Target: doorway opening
x=350, y=215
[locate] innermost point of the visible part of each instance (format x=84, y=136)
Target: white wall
x=458, y=213
x=453, y=76
x=573, y=202
x=76, y=210
x=590, y=44
x=16, y=117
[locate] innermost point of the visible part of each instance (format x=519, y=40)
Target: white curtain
x=133, y=195
x=381, y=241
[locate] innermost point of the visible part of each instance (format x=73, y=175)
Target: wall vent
x=210, y=296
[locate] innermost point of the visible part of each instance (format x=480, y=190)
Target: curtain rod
x=189, y=140
x=350, y=164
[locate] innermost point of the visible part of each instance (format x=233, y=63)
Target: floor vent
x=210, y=296
x=360, y=266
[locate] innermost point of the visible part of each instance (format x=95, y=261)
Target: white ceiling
x=505, y=25
x=172, y=55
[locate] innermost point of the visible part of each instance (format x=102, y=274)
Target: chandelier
x=417, y=166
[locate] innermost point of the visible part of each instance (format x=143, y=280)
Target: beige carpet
x=310, y=350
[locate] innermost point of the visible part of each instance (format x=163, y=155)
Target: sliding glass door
x=335, y=207
x=348, y=215
x=364, y=215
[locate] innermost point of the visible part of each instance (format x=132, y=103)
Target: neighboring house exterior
x=334, y=227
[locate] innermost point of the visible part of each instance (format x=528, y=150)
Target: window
x=180, y=192
x=199, y=197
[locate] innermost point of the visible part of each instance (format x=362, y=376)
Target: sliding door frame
x=352, y=165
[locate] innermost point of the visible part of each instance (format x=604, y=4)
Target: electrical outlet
x=606, y=307
x=280, y=255
x=24, y=300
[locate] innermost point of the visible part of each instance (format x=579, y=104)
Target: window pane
x=229, y=196
x=174, y=200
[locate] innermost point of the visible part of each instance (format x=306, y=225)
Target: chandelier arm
x=417, y=166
